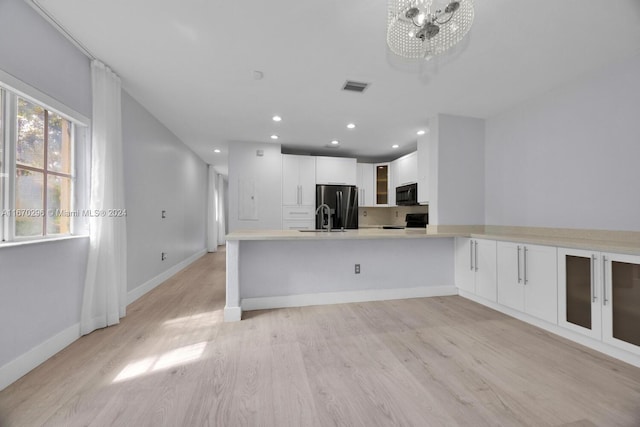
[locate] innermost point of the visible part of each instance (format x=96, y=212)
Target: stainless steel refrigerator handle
x=518, y=261
x=476, y=255
x=604, y=280
x=594, y=259
x=471, y=255
x=526, y=279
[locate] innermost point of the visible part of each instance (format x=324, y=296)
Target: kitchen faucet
x=322, y=207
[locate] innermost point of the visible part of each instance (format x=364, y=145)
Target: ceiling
x=191, y=64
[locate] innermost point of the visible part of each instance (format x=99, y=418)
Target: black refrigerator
x=343, y=201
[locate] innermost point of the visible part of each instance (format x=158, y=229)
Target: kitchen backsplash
x=387, y=216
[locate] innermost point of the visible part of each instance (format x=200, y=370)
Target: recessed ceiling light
x=395, y=146
x=274, y=136
x=334, y=142
x=421, y=132
x=216, y=150
x=277, y=118
x=351, y=126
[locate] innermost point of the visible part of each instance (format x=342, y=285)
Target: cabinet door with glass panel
x=382, y=184
x=599, y=296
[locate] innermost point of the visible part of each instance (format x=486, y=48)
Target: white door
x=485, y=267
x=621, y=301
x=579, y=291
x=290, y=180
x=465, y=269
x=539, y=269
x=510, y=275
x=307, y=180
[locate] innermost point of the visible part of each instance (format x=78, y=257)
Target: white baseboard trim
x=232, y=314
x=152, y=283
x=28, y=361
x=597, y=345
x=324, y=298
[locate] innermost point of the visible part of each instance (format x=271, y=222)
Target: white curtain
x=212, y=211
x=222, y=222
x=105, y=289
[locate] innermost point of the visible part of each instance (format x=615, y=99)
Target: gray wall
x=41, y=283
x=570, y=157
x=161, y=173
x=266, y=173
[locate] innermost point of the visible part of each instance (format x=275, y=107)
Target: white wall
x=456, y=176
x=41, y=284
x=161, y=173
x=266, y=174
x=570, y=157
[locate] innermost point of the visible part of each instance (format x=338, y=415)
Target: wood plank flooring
x=421, y=362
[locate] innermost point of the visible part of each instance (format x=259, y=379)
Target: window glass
x=29, y=210
x=30, y=144
x=59, y=144
x=58, y=205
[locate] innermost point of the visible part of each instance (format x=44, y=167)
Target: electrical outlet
x=163, y=256
x=357, y=268
x=164, y=214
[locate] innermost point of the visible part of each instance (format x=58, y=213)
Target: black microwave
x=407, y=195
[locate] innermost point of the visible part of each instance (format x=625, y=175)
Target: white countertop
x=632, y=248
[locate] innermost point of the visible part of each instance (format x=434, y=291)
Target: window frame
x=10, y=90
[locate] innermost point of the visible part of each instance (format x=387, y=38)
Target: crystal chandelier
x=424, y=28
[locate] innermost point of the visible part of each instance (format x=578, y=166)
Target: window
x=37, y=168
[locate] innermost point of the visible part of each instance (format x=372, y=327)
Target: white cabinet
x=599, y=296
x=365, y=184
x=405, y=170
x=298, y=180
x=475, y=267
x=526, y=279
x=424, y=169
x=298, y=192
x=336, y=171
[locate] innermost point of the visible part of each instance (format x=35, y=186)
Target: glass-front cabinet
x=382, y=184
x=599, y=296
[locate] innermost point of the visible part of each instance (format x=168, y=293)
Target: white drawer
x=298, y=225
x=299, y=212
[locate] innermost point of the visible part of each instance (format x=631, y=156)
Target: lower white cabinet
x=298, y=218
x=527, y=279
x=476, y=267
x=599, y=296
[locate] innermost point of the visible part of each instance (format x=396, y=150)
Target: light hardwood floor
x=431, y=361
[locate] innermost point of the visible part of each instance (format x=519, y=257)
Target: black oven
x=407, y=195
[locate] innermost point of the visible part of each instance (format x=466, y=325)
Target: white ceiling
x=191, y=64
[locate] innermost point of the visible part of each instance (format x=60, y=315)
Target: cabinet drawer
x=298, y=225
x=298, y=212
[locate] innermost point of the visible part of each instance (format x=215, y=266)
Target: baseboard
x=28, y=361
x=597, y=345
x=232, y=314
x=152, y=283
x=324, y=298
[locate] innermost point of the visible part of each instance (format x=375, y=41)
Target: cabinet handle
x=526, y=279
x=299, y=194
x=471, y=255
x=518, y=261
x=594, y=259
x=604, y=280
x=476, y=255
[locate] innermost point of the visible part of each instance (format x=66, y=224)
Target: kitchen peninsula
x=286, y=268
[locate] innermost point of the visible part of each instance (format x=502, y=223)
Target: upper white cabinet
x=599, y=296
x=336, y=171
x=423, y=165
x=475, y=267
x=405, y=170
x=298, y=180
x=527, y=279
x=365, y=184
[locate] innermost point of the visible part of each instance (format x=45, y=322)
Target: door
x=579, y=307
x=621, y=301
x=365, y=184
x=485, y=269
x=509, y=275
x=307, y=180
x=382, y=184
x=465, y=270
x=540, y=278
x=290, y=180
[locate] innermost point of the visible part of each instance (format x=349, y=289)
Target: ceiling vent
x=355, y=86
